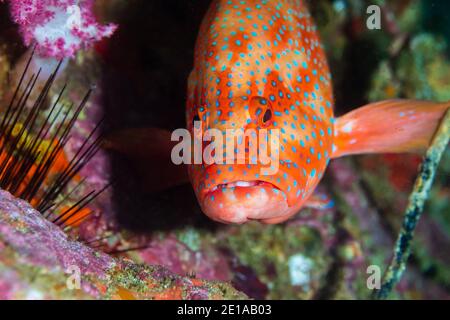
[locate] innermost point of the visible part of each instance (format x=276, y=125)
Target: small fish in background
x=260, y=65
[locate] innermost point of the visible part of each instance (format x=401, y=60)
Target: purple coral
x=59, y=28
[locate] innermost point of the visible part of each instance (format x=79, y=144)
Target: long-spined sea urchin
x=33, y=165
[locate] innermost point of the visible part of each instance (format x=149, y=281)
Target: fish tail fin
x=391, y=126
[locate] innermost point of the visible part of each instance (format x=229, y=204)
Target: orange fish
x=261, y=65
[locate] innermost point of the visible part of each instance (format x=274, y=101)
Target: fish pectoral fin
x=391, y=126
x=150, y=151
x=319, y=201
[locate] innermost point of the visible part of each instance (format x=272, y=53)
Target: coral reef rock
x=39, y=261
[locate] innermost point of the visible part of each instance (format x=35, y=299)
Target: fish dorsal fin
x=150, y=151
x=391, y=126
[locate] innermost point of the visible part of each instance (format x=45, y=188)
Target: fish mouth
x=240, y=184
x=240, y=201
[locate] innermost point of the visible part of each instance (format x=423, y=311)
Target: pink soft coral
x=59, y=28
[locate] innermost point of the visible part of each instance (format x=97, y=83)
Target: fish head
x=262, y=174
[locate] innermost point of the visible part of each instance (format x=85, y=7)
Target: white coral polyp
x=66, y=32
x=58, y=28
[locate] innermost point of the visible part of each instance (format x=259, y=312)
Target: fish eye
x=262, y=111
x=267, y=116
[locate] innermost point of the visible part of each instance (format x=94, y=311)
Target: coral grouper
x=261, y=65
